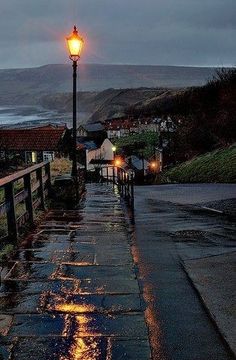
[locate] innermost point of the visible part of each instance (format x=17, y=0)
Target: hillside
x=217, y=166
x=26, y=86
x=205, y=116
x=104, y=104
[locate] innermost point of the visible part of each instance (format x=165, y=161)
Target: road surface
x=169, y=227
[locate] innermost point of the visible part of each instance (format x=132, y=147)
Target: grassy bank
x=218, y=166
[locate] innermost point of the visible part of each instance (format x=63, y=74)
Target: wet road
x=167, y=228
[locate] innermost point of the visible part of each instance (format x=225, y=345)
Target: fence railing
x=124, y=180
x=33, y=186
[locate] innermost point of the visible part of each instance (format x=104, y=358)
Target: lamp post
x=75, y=45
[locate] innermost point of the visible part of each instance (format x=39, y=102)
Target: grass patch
x=6, y=251
x=60, y=166
x=143, y=143
x=216, y=167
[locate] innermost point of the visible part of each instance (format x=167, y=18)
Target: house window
x=48, y=156
x=30, y=157
x=34, y=157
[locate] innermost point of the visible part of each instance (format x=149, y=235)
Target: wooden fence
x=36, y=182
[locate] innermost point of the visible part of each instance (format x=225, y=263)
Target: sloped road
x=169, y=228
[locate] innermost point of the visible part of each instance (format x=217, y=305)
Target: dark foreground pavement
x=71, y=292
x=172, y=235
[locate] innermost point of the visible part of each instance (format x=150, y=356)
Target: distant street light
x=118, y=162
x=154, y=165
x=75, y=45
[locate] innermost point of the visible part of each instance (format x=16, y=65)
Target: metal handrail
x=125, y=183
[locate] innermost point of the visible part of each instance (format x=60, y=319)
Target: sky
x=155, y=32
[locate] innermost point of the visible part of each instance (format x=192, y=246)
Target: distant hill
x=26, y=86
x=101, y=105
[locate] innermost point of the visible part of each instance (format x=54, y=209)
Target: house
x=117, y=128
x=100, y=156
x=137, y=164
x=120, y=127
x=35, y=144
x=91, y=131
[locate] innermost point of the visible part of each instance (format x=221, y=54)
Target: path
x=71, y=292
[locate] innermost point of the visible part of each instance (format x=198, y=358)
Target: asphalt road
x=189, y=193
x=165, y=219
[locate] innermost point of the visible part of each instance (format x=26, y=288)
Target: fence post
x=39, y=175
x=113, y=175
x=128, y=186
x=29, y=199
x=132, y=192
x=48, y=173
x=125, y=181
x=11, y=211
x=107, y=175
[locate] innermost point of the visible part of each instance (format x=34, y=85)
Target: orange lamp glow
x=153, y=165
x=117, y=162
x=75, y=45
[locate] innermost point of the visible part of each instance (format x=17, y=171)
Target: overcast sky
x=165, y=32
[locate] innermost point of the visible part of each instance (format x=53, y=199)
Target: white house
x=100, y=157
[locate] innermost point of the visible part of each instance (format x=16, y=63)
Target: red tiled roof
x=31, y=139
x=50, y=127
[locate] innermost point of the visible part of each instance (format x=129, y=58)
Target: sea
x=31, y=116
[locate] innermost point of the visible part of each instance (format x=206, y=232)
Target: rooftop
x=37, y=139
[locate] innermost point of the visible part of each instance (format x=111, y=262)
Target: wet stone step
x=109, y=286
x=40, y=255
x=74, y=304
x=123, y=326
x=20, y=304
x=115, y=238
x=94, y=272
x=75, y=286
x=50, y=246
x=24, y=287
x=31, y=271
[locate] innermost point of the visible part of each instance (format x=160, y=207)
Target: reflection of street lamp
x=75, y=45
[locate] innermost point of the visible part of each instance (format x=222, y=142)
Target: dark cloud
x=189, y=32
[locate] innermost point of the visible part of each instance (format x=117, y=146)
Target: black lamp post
x=75, y=46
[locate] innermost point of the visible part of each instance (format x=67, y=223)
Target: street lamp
x=75, y=45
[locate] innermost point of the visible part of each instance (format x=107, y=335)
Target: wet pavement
x=71, y=292
x=170, y=230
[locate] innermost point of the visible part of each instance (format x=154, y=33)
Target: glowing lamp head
x=117, y=162
x=153, y=165
x=113, y=148
x=75, y=45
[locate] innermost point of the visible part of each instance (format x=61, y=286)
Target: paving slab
x=71, y=290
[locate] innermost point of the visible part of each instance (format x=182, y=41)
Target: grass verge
x=215, y=167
